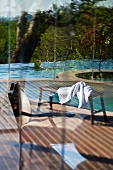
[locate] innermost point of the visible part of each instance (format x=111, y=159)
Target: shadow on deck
x=56, y=143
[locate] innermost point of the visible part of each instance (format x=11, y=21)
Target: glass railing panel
x=45, y=45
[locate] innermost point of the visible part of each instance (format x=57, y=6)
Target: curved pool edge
x=70, y=75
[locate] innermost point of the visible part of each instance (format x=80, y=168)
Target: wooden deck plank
x=88, y=139
x=94, y=143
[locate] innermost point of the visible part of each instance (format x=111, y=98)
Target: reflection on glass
x=40, y=42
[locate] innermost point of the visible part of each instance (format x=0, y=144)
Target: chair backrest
x=20, y=104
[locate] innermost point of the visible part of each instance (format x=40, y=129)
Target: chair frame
x=92, y=110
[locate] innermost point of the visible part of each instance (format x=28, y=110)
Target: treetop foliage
x=76, y=30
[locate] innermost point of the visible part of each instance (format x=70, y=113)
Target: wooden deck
x=56, y=143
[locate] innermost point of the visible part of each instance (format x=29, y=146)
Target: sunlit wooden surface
x=93, y=143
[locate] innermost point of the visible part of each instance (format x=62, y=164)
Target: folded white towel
x=66, y=93
x=80, y=89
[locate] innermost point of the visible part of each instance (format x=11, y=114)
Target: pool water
x=49, y=69
x=96, y=101
x=74, y=101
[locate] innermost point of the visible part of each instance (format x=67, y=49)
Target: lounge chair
x=42, y=123
x=53, y=90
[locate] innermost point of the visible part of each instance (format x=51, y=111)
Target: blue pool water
x=49, y=69
x=96, y=102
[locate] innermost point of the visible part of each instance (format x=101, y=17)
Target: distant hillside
x=29, y=17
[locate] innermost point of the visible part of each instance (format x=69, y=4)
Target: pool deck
x=89, y=146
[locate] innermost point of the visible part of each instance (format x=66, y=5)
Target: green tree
x=28, y=39
x=6, y=26
x=71, y=31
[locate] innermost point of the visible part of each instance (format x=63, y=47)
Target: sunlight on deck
x=42, y=138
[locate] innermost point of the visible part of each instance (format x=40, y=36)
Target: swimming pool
x=49, y=69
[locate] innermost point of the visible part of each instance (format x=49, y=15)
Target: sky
x=15, y=7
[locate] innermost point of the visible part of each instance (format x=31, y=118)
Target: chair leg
x=40, y=98
x=91, y=108
x=103, y=108
x=92, y=119
x=51, y=101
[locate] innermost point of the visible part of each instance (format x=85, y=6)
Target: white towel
x=80, y=95
x=66, y=93
x=80, y=89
